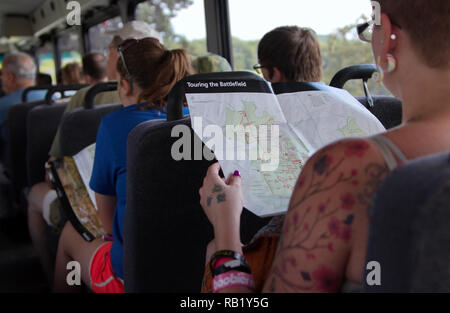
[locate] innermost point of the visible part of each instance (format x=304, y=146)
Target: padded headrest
x=78, y=128
x=17, y=142
x=387, y=109
x=95, y=90
x=43, y=122
x=177, y=94
x=362, y=71
x=61, y=89
x=33, y=88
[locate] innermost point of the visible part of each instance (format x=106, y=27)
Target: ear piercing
x=392, y=63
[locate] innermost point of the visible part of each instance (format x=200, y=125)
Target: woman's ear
x=124, y=87
x=277, y=76
x=387, y=37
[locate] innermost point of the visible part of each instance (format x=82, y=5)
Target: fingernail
x=236, y=173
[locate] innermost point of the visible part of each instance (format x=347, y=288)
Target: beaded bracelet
x=232, y=279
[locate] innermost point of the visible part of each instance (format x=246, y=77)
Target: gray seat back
x=43, y=122
x=164, y=219
x=409, y=234
x=387, y=109
x=78, y=128
x=17, y=143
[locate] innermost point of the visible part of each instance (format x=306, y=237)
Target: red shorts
x=103, y=279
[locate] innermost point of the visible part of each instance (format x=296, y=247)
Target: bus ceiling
x=23, y=21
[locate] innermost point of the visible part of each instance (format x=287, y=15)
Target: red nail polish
x=236, y=173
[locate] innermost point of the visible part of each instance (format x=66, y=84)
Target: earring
x=379, y=75
x=392, y=63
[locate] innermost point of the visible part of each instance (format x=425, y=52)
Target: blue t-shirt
x=109, y=175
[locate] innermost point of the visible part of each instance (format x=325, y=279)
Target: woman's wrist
x=227, y=237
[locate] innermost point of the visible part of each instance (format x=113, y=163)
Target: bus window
x=182, y=25
x=340, y=46
x=47, y=60
x=99, y=38
x=69, y=47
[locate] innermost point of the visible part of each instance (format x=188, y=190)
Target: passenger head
x=43, y=79
x=290, y=53
x=72, y=73
x=131, y=30
x=211, y=63
x=19, y=71
x=94, y=68
x=150, y=71
x=415, y=37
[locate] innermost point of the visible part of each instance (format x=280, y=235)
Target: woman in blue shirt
x=147, y=74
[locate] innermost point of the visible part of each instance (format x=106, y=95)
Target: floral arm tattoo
x=318, y=231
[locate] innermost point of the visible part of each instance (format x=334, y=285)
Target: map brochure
x=268, y=138
x=71, y=176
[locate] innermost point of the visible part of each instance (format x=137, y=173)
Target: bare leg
x=72, y=247
x=37, y=225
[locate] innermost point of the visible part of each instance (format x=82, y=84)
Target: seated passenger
x=72, y=74
x=18, y=73
x=42, y=203
x=43, y=79
x=290, y=54
x=147, y=74
x=210, y=63
x=324, y=236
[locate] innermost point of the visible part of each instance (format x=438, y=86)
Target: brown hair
x=428, y=24
x=72, y=73
x=294, y=51
x=155, y=69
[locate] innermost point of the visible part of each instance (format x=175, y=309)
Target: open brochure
x=84, y=161
x=71, y=177
x=277, y=134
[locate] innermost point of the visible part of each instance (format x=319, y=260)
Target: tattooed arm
x=325, y=232
x=222, y=203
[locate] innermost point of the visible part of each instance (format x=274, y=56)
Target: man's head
x=133, y=29
x=94, y=68
x=19, y=71
x=290, y=53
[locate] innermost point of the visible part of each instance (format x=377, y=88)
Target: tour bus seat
x=16, y=166
x=361, y=71
x=43, y=122
x=164, y=220
x=78, y=128
x=409, y=234
x=16, y=145
x=387, y=109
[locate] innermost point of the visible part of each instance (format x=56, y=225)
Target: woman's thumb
x=235, y=179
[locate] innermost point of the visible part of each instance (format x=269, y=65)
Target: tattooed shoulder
x=319, y=227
